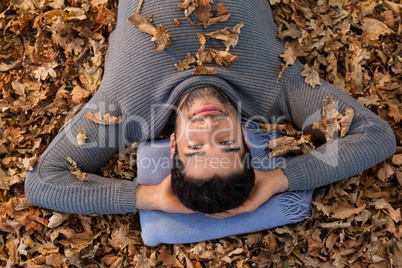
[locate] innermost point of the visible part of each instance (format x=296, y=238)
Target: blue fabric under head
x=153, y=165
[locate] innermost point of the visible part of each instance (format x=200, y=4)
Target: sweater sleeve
x=369, y=140
x=51, y=184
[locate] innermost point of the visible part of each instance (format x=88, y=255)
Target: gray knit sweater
x=139, y=85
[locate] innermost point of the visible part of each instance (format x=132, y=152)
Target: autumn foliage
x=52, y=55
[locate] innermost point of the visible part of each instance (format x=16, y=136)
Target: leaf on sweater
x=202, y=11
x=332, y=121
x=185, y=64
x=312, y=77
x=81, y=137
x=82, y=176
x=222, y=57
x=176, y=22
x=107, y=119
x=204, y=70
x=286, y=144
x=229, y=36
x=161, y=37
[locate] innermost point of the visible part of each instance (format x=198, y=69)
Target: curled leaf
x=82, y=176
x=107, y=119
x=332, y=121
x=81, y=137
x=202, y=70
x=229, y=36
x=185, y=64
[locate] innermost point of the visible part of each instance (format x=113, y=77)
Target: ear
x=172, y=145
x=245, y=137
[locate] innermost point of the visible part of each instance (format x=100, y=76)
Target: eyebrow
x=225, y=150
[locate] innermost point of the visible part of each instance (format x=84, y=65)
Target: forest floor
x=52, y=56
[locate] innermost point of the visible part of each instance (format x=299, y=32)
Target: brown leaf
x=397, y=159
x=332, y=121
x=345, y=211
x=374, y=28
x=106, y=120
x=229, y=36
x=202, y=70
x=203, y=12
x=312, y=77
x=189, y=6
x=161, y=38
x=81, y=136
x=82, y=176
x=346, y=121
x=185, y=64
x=222, y=57
x=79, y=94
x=176, y=22
x=285, y=145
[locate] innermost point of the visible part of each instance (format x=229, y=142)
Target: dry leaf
x=285, y=145
x=374, y=28
x=106, y=120
x=161, y=37
x=82, y=176
x=176, y=22
x=189, y=6
x=332, y=121
x=185, y=64
x=312, y=77
x=229, y=36
x=346, y=210
x=81, y=136
x=203, y=70
x=202, y=10
x=222, y=57
x=397, y=159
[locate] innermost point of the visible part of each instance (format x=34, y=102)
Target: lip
x=207, y=110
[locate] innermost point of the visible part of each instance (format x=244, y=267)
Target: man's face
x=208, y=135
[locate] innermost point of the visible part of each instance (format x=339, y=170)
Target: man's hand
x=266, y=185
x=159, y=197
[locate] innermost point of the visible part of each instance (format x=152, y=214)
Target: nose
x=205, y=123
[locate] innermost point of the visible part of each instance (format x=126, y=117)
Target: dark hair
x=216, y=194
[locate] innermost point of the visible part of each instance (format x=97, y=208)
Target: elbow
x=31, y=185
x=385, y=139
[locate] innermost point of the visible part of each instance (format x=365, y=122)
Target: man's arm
x=369, y=140
x=52, y=185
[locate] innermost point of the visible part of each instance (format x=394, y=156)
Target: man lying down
x=211, y=172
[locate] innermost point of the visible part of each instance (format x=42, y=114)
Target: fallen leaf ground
x=52, y=56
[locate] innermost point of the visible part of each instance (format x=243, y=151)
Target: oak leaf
x=189, y=6
x=185, y=64
x=107, y=119
x=333, y=121
x=374, y=28
x=204, y=70
x=81, y=136
x=229, y=36
x=82, y=176
x=161, y=37
x=286, y=144
x=312, y=77
x=345, y=210
x=222, y=57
